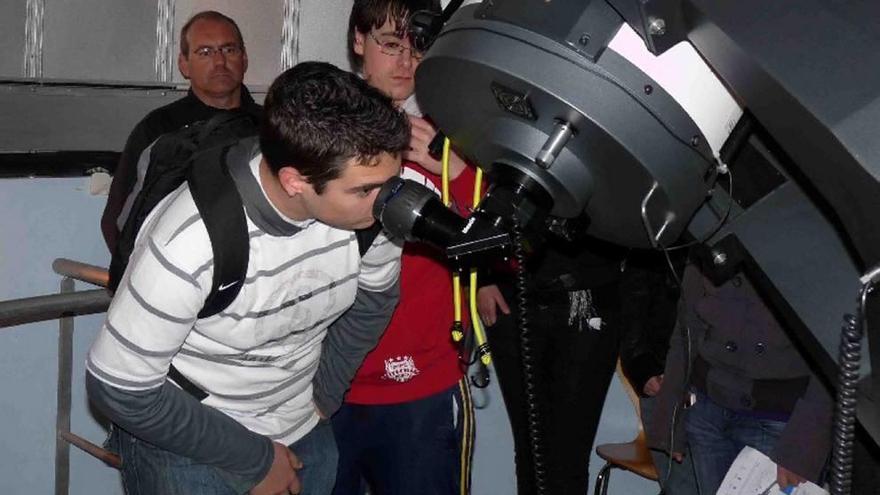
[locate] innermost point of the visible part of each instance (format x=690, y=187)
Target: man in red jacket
x=407, y=422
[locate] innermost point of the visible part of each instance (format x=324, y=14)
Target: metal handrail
x=76, y=270
x=63, y=307
x=93, y=450
x=53, y=306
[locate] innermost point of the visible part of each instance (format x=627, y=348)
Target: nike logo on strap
x=226, y=286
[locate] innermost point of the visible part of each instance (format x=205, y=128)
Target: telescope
x=746, y=130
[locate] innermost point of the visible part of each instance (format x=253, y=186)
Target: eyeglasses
x=395, y=48
x=230, y=50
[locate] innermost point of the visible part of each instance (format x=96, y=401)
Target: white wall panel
x=324, y=31
x=99, y=40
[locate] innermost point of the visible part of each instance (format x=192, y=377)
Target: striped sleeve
x=380, y=266
x=348, y=341
x=157, y=302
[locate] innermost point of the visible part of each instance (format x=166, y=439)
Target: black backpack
x=196, y=154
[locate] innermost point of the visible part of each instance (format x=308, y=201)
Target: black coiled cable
x=843, y=438
x=533, y=410
x=845, y=411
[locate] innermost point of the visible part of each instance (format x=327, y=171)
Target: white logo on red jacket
x=400, y=369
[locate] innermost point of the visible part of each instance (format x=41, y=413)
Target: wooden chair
x=632, y=456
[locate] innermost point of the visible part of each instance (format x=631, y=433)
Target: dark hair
x=367, y=15
x=207, y=15
x=317, y=117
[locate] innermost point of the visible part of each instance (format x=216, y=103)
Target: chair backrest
x=634, y=398
x=633, y=456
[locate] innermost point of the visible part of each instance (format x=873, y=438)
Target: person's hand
x=652, y=386
x=489, y=300
x=281, y=478
x=422, y=135
x=786, y=478
x=677, y=457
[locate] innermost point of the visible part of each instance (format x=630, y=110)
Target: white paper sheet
x=753, y=473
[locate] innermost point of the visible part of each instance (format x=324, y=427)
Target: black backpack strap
x=366, y=237
x=184, y=383
x=220, y=207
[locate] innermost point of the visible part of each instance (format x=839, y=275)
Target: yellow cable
x=457, y=335
x=478, y=193
x=482, y=345
x=479, y=334
x=456, y=293
x=445, y=173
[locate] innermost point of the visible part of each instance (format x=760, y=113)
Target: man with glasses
x=213, y=58
x=407, y=422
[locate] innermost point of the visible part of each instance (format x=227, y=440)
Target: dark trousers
x=419, y=447
x=575, y=364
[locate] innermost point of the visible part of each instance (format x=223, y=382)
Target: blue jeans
x=149, y=470
x=717, y=434
x=418, y=447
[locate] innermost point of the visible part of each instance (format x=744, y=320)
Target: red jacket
x=416, y=356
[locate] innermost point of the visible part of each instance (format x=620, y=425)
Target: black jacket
x=162, y=120
x=648, y=298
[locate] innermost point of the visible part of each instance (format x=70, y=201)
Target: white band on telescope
x=682, y=73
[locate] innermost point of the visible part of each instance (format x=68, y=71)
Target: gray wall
x=47, y=118
x=44, y=219
x=115, y=40
x=12, y=14
x=99, y=39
